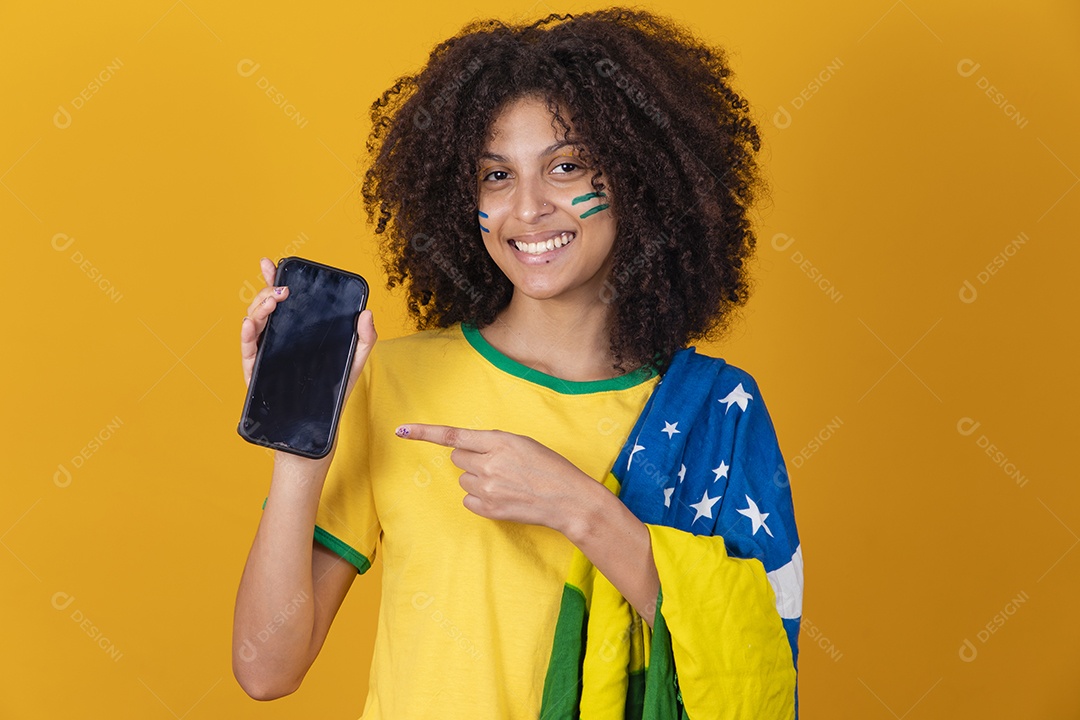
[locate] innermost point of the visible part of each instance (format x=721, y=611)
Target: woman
x=577, y=514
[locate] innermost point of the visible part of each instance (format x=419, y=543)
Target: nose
x=531, y=202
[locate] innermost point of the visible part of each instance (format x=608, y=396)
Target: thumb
x=365, y=341
x=365, y=328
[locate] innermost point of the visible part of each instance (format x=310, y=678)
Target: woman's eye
x=571, y=167
x=502, y=173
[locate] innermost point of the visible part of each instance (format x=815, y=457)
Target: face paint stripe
x=484, y=229
x=589, y=196
x=595, y=210
x=481, y=213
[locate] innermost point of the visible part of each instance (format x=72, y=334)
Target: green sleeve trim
x=341, y=548
x=264, y=501
x=566, y=387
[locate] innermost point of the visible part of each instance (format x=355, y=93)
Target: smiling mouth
x=539, y=248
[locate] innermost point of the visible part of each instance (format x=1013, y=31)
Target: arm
x=617, y=543
x=291, y=587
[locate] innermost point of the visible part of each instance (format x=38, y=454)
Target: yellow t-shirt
x=469, y=604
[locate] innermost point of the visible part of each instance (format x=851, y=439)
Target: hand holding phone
x=301, y=360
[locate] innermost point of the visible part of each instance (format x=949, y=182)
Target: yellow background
x=897, y=181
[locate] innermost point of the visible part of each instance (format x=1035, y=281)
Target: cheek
x=590, y=204
x=602, y=227
x=597, y=218
x=491, y=212
x=496, y=251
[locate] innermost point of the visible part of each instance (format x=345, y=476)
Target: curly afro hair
x=652, y=107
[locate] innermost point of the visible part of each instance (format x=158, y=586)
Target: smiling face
x=540, y=219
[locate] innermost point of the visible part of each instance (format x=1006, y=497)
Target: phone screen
x=298, y=380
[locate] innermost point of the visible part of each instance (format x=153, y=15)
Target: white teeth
x=544, y=246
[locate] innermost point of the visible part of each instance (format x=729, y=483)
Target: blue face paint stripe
x=481, y=213
x=484, y=229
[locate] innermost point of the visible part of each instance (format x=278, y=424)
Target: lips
x=539, y=243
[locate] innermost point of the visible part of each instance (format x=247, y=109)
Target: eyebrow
x=546, y=151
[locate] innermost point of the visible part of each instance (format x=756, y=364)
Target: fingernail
x=279, y=290
x=402, y=431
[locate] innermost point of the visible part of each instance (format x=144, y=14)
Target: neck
x=563, y=339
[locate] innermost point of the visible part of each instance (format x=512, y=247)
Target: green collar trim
x=567, y=387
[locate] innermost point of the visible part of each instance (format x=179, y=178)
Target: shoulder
x=717, y=384
x=689, y=364
x=423, y=341
x=418, y=350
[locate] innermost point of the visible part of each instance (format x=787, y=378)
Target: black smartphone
x=298, y=382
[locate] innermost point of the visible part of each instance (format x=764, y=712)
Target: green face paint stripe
x=595, y=210
x=589, y=196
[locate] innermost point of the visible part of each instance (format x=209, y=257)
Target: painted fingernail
x=279, y=290
x=402, y=431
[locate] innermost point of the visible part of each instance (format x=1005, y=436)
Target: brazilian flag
x=703, y=470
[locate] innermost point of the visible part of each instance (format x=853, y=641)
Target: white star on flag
x=682, y=473
x=721, y=471
x=667, y=496
x=704, y=508
x=631, y=458
x=757, y=518
x=670, y=428
x=738, y=395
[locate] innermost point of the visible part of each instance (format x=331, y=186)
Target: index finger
x=455, y=437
